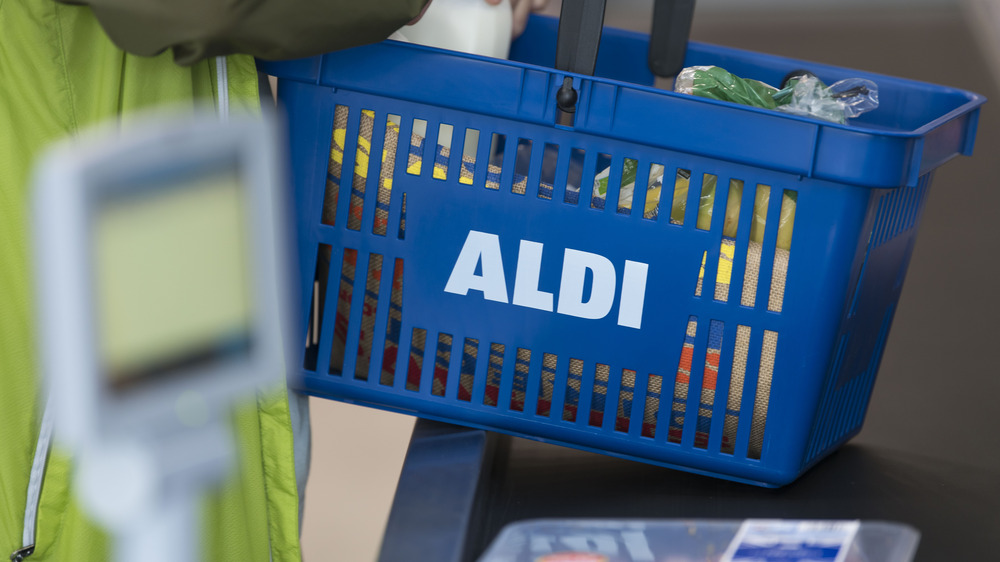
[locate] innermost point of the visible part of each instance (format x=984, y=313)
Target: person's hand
x=522, y=8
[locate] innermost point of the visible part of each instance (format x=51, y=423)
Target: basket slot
x=709, y=382
x=519, y=387
x=368, y=311
x=599, y=396
x=362, y=156
x=749, y=395
x=654, y=191
x=442, y=364
x=612, y=396
x=574, y=383
x=533, y=382
x=522, y=166
x=316, y=306
x=470, y=146
x=467, y=375
x=737, y=378
x=547, y=171
x=741, y=244
x=763, y=394
x=782, y=250
x=415, y=365
x=546, y=384
x=692, y=208
x=537, y=161
x=578, y=158
x=758, y=219
x=417, y=148
x=334, y=171
x=494, y=374
x=343, y=311
x=631, y=196
x=682, y=383
x=386, y=172
x=382, y=318
x=505, y=389
x=626, y=398
x=587, y=381
x=379, y=158
x=442, y=154
x=479, y=381
x=768, y=245
x=494, y=174
x=632, y=402
x=606, y=176
x=393, y=326
x=706, y=201
x=678, y=202
x=651, y=408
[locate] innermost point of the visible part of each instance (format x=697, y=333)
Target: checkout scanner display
x=172, y=278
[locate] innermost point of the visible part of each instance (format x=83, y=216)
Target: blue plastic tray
x=582, y=323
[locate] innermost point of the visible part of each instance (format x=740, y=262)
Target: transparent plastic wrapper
x=706, y=201
x=802, y=95
x=843, y=100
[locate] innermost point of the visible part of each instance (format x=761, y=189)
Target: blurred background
x=945, y=326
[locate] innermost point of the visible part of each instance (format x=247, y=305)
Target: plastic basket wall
x=458, y=266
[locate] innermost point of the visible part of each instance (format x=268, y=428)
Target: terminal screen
x=172, y=278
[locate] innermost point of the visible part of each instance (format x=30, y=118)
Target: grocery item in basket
x=706, y=202
x=717, y=83
x=415, y=150
x=801, y=95
x=677, y=398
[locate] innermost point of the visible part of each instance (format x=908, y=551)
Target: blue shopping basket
x=460, y=264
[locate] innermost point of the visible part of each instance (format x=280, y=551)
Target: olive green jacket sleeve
x=267, y=29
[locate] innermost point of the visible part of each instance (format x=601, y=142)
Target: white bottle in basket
x=470, y=26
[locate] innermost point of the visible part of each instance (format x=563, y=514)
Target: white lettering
x=602, y=290
x=633, y=294
x=481, y=252
x=529, y=266
x=480, y=248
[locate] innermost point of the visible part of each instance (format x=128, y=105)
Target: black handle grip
x=580, y=26
x=669, y=37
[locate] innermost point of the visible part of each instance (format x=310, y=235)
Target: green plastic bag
x=719, y=84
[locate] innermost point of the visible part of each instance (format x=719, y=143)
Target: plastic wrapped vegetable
x=807, y=95
x=718, y=84
x=802, y=95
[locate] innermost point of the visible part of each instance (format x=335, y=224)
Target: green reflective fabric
x=58, y=74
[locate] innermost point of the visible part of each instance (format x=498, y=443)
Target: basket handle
x=669, y=36
x=580, y=26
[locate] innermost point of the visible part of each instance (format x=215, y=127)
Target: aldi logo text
x=481, y=252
